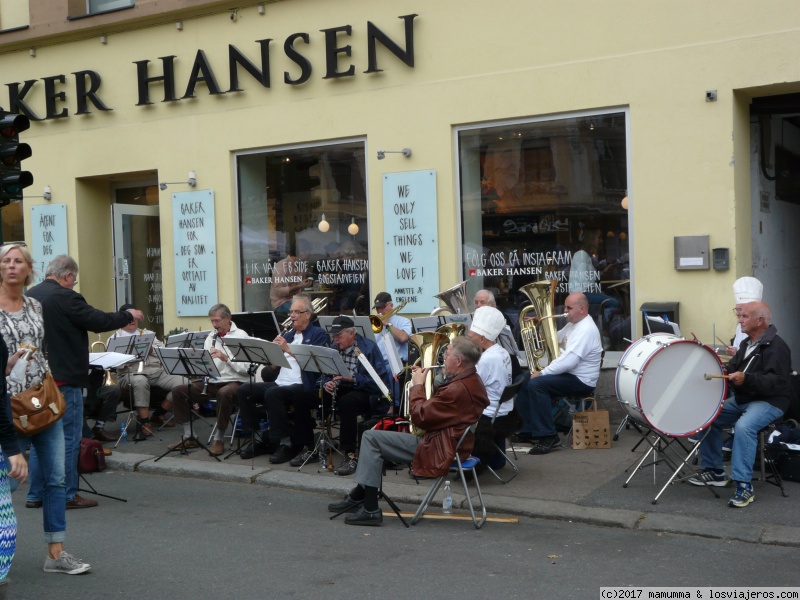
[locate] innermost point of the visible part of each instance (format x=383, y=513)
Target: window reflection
x=283, y=196
x=541, y=200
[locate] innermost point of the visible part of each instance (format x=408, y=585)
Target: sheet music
x=137, y=345
x=319, y=359
x=187, y=362
x=256, y=350
x=110, y=360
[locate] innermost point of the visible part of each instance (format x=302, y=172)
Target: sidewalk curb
x=536, y=509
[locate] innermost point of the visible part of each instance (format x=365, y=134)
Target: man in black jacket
x=67, y=320
x=759, y=376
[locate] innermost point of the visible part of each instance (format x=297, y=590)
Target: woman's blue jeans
x=47, y=481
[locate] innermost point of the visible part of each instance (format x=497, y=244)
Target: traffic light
x=12, y=178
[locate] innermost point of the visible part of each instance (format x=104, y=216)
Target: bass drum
x=661, y=381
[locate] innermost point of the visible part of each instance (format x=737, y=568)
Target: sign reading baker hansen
x=88, y=82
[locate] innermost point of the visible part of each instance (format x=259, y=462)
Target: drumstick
x=709, y=376
x=721, y=341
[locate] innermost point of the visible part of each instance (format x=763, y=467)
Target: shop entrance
x=137, y=261
x=775, y=207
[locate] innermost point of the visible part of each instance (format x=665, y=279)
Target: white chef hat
x=488, y=322
x=747, y=289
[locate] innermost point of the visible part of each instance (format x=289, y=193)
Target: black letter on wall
x=332, y=52
x=144, y=81
x=302, y=61
x=373, y=33
x=90, y=94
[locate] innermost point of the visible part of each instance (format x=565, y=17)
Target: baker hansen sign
x=88, y=83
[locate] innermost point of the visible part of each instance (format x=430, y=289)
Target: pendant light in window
x=352, y=229
x=323, y=226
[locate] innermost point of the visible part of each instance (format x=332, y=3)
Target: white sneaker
x=67, y=564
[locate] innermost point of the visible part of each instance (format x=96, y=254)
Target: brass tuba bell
x=539, y=334
x=456, y=300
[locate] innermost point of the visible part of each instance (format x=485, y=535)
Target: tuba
x=539, y=335
x=429, y=347
x=456, y=300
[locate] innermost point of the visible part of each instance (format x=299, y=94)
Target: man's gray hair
x=305, y=299
x=467, y=349
x=221, y=309
x=61, y=266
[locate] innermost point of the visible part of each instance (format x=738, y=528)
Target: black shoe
x=365, y=517
x=283, y=454
x=101, y=436
x=253, y=450
x=545, y=445
x=33, y=504
x=347, y=504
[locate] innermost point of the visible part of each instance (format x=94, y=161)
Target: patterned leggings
x=8, y=521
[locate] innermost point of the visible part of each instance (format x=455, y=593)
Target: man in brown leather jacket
x=456, y=404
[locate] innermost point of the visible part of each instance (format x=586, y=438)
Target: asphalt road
x=182, y=538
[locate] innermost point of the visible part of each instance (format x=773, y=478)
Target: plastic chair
x=509, y=392
x=460, y=467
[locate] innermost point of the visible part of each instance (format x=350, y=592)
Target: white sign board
x=48, y=236
x=410, y=231
x=195, y=246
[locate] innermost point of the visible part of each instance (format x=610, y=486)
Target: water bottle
x=124, y=432
x=323, y=456
x=447, y=502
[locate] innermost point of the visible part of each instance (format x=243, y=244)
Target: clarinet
x=204, y=391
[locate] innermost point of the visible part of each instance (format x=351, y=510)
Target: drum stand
x=667, y=449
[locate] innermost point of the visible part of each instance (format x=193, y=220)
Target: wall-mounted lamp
x=405, y=152
x=262, y=9
x=103, y=39
x=192, y=182
x=234, y=14
x=324, y=226
x=352, y=229
x=179, y=25
x=48, y=193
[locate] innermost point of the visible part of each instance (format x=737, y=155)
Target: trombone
x=377, y=321
x=317, y=306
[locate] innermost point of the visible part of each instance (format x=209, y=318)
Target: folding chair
x=458, y=467
x=509, y=392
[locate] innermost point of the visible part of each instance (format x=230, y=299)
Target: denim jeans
x=47, y=482
x=748, y=419
x=534, y=401
x=73, y=429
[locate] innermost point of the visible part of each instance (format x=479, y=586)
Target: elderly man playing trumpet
x=456, y=404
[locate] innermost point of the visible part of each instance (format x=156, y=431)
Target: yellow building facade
x=527, y=126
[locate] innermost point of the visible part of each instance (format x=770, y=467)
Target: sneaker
x=348, y=466
x=709, y=477
x=545, y=444
x=67, y=564
x=743, y=496
x=304, y=458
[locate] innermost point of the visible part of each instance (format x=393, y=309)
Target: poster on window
x=410, y=233
x=195, y=247
x=48, y=236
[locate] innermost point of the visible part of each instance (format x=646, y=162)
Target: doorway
x=137, y=254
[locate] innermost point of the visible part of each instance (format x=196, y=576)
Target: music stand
x=325, y=361
x=256, y=352
x=137, y=346
x=188, y=363
x=188, y=339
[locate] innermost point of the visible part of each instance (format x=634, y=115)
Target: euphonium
x=539, y=335
x=429, y=345
x=455, y=298
x=377, y=321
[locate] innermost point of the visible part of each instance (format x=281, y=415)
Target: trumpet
x=317, y=306
x=377, y=321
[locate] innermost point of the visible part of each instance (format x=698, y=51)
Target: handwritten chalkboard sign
x=410, y=231
x=48, y=236
x=195, y=246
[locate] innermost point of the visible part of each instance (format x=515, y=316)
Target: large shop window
x=543, y=201
x=303, y=227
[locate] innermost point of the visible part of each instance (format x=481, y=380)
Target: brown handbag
x=38, y=407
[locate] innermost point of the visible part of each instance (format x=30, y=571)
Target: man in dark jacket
x=353, y=395
x=67, y=320
x=456, y=404
x=759, y=376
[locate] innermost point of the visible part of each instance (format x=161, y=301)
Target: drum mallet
x=709, y=376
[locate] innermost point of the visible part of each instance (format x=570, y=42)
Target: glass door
x=137, y=261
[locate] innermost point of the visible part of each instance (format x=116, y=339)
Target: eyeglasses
x=298, y=312
x=737, y=311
